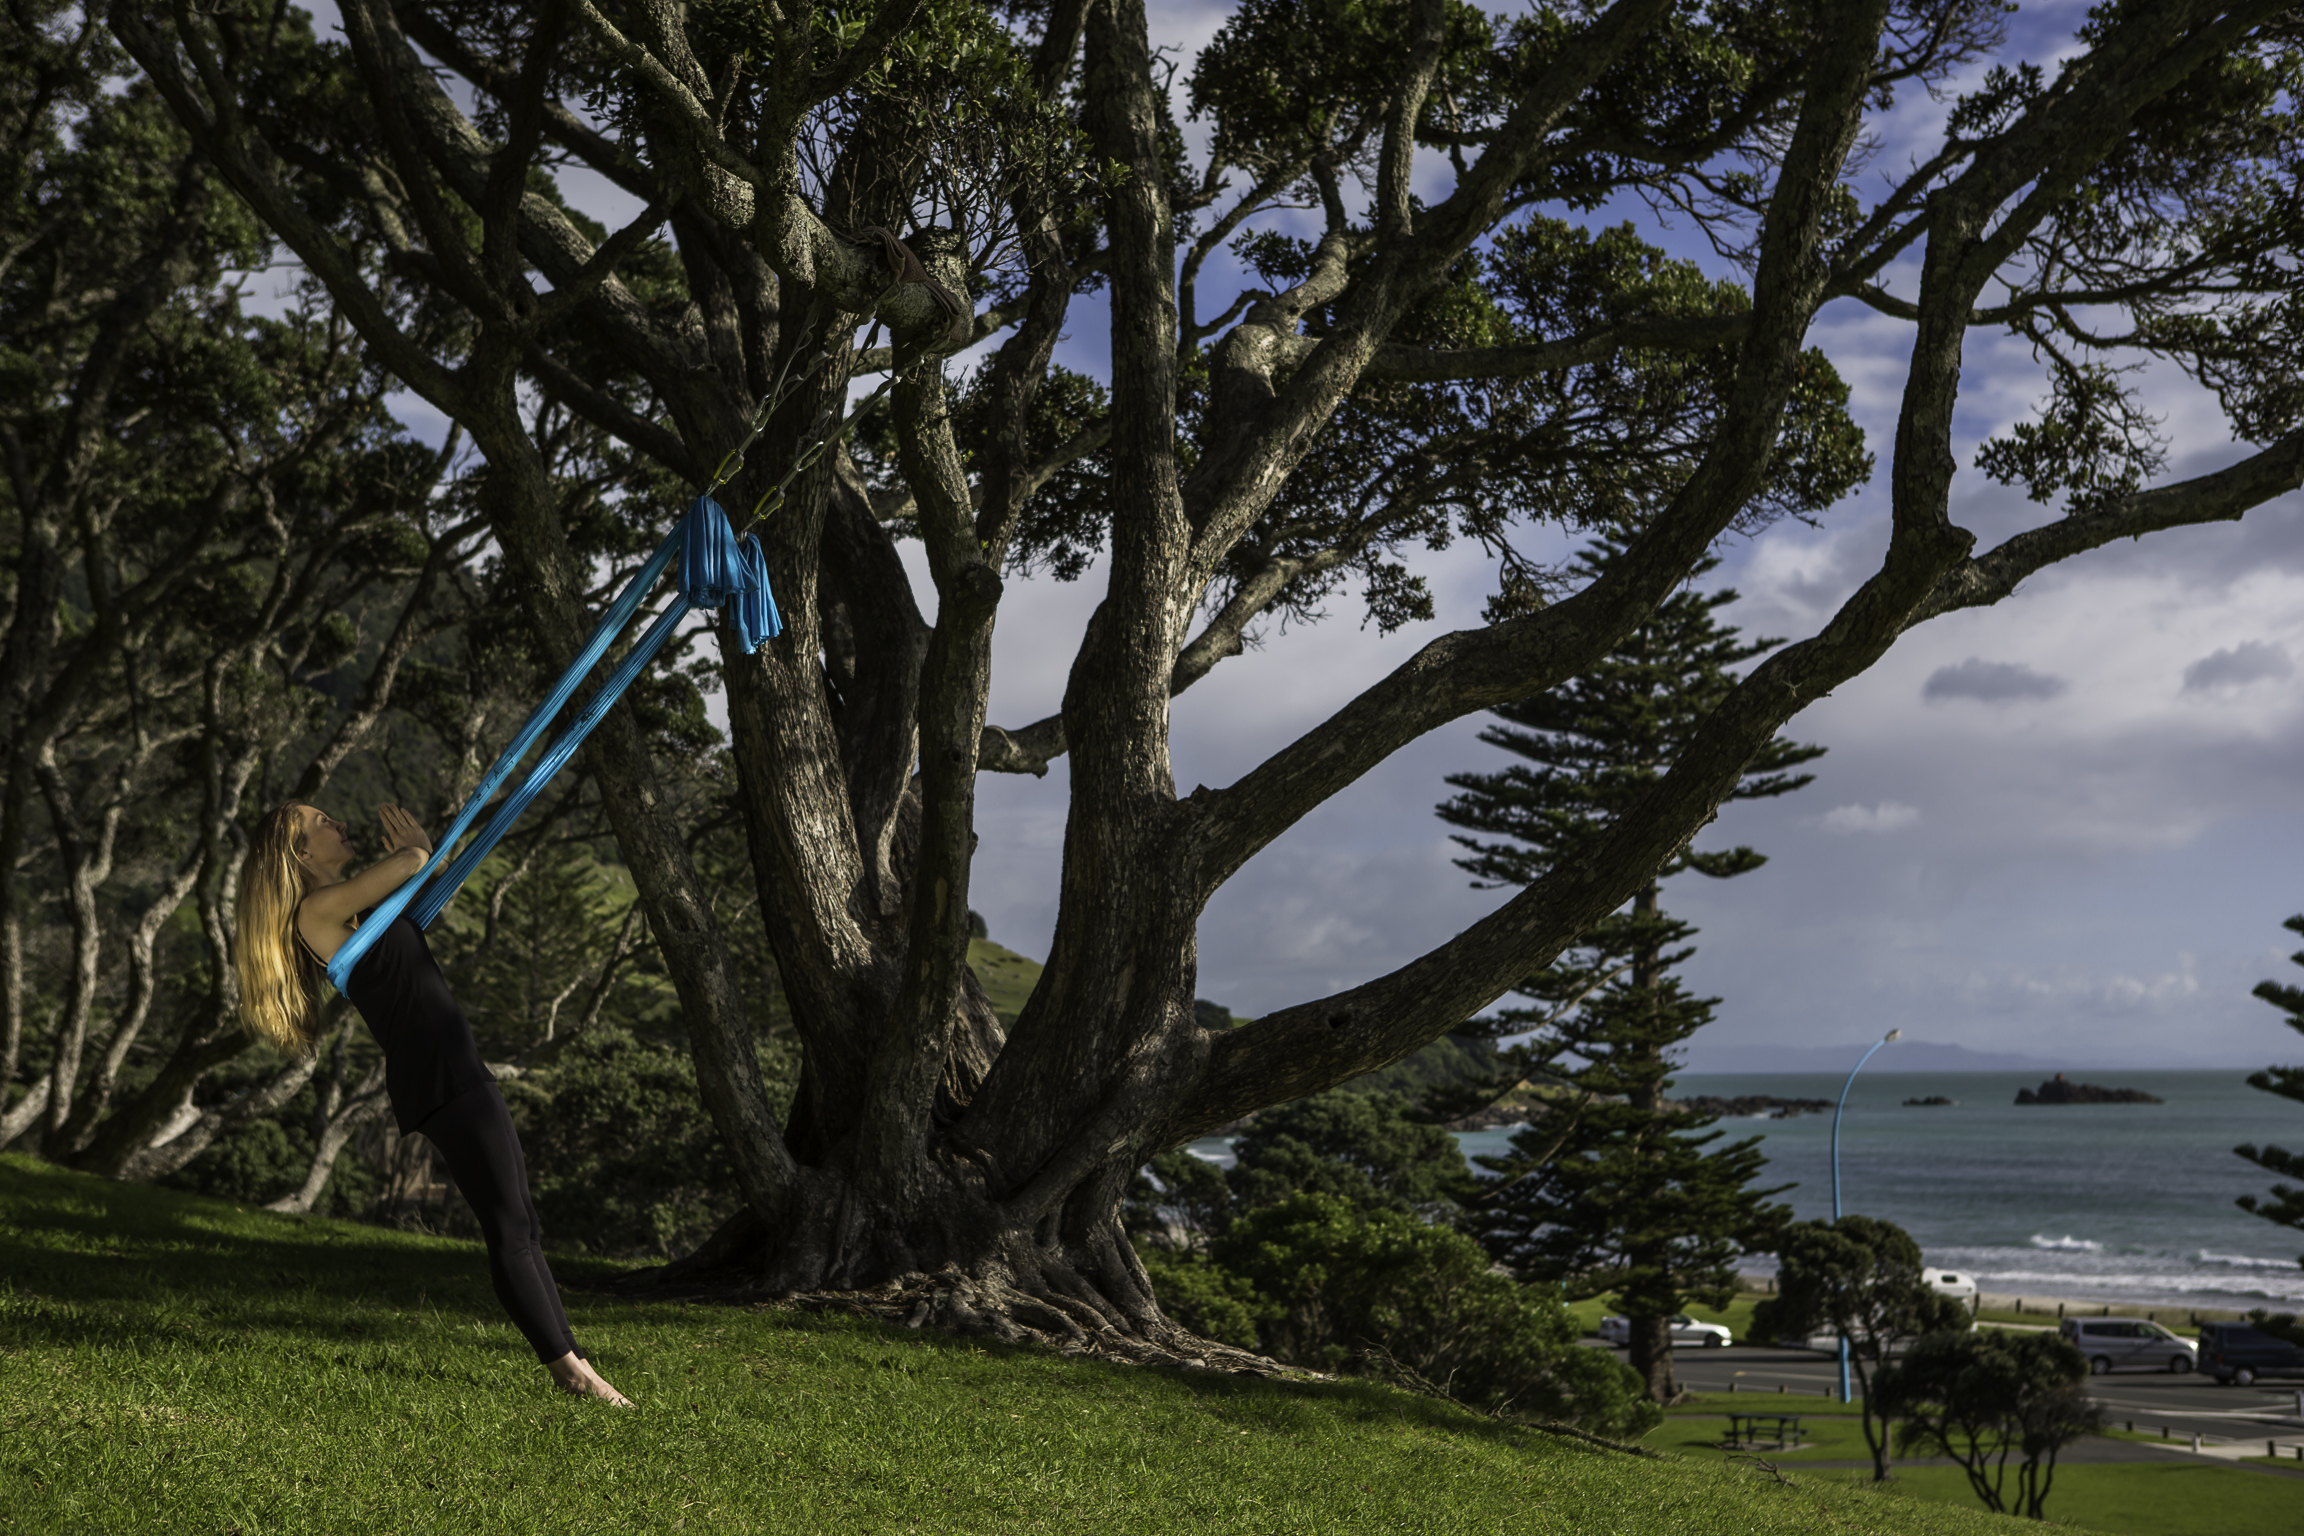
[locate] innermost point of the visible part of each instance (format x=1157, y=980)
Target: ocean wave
x=2132, y=1281
x=2243, y=1261
x=2065, y=1244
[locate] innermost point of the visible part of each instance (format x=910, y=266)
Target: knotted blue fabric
x=716, y=570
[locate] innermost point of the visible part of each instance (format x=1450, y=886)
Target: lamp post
x=1889, y=1038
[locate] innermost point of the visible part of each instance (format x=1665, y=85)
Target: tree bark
x=958, y=1174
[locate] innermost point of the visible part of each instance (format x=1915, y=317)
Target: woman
x=296, y=907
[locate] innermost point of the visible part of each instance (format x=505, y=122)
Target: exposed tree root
x=953, y=1301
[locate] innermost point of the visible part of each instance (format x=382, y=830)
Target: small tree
x=1858, y=1277
x=1615, y=1190
x=2285, y=1205
x=1980, y=1397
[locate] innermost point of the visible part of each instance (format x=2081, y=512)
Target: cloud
x=1990, y=682
x=1887, y=816
x=2253, y=661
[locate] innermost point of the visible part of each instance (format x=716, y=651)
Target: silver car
x=1685, y=1330
x=2129, y=1343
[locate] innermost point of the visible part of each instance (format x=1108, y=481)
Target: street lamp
x=1889, y=1038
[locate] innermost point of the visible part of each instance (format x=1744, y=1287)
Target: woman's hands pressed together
x=402, y=832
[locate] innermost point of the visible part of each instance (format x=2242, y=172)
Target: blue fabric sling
x=716, y=568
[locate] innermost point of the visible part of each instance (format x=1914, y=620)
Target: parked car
x=2129, y=1343
x=2237, y=1354
x=1685, y=1330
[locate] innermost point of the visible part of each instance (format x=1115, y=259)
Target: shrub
x=1361, y=1147
x=622, y=1159
x=1211, y=1301
x=253, y=1162
x=1383, y=1292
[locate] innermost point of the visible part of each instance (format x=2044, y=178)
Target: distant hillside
x=1010, y=978
x=1903, y=1056
x=1007, y=975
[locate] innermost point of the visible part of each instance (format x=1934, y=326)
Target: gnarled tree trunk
x=961, y=1174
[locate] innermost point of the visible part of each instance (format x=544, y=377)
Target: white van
x=1945, y=1283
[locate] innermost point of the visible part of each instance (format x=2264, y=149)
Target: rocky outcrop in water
x=2057, y=1090
x=1930, y=1101
x=1748, y=1104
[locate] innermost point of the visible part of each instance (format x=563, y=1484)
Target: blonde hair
x=279, y=983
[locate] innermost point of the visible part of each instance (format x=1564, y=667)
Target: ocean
x=2093, y=1202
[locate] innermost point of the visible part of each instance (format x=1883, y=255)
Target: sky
x=2065, y=827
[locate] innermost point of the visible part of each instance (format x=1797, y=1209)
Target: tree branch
x=2224, y=495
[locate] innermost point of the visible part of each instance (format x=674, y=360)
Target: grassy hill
x=1007, y=975
x=170, y=1363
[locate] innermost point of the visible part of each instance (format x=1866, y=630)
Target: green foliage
x=1449, y=1064
x=1362, y=1148
x=1980, y=1396
x=621, y=1157
x=1330, y=1244
x=1201, y=1295
x=1858, y=1277
x=1621, y=1203
x=1286, y=80
x=1494, y=454
x=1377, y=1290
x=2285, y=1204
x=538, y=947
x=1185, y=1201
x=254, y=1162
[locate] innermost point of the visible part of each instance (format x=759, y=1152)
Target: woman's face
x=326, y=843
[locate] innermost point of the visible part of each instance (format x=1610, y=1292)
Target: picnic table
x=1744, y=1428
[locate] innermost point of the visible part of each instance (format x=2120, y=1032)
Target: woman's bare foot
x=574, y=1374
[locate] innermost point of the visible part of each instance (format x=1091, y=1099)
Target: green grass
x=2137, y=1499
x=2146, y=1498
x=169, y=1363
x=1007, y=976
x=1828, y=1432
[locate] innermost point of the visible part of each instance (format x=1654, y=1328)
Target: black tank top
x=429, y=1054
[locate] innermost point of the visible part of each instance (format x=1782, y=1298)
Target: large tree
x=1425, y=366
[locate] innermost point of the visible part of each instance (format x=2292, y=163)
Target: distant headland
x=2058, y=1091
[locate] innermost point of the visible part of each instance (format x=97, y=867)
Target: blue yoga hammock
x=716, y=567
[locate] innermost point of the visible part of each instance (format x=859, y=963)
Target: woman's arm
x=332, y=907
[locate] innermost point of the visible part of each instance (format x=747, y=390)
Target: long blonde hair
x=279, y=983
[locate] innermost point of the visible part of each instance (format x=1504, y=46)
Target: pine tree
x=2285, y=1204
x=1613, y=1190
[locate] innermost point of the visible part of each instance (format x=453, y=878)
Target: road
x=2184, y=1405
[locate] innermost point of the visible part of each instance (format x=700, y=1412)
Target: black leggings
x=474, y=1133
